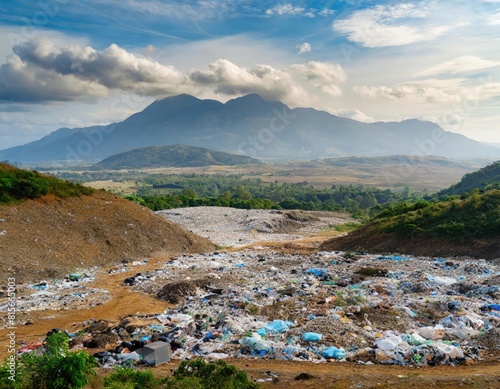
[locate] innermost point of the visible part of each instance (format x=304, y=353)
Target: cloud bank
x=41, y=71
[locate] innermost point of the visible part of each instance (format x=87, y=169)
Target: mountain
x=492, y=144
x=172, y=156
x=251, y=126
x=483, y=179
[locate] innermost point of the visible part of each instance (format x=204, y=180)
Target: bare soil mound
x=48, y=237
x=363, y=240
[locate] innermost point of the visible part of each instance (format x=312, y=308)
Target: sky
x=80, y=63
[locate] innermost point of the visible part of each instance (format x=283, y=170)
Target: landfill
x=322, y=307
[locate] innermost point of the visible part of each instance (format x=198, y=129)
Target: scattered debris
x=326, y=306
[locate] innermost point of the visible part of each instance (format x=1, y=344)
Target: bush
x=199, y=374
x=56, y=367
x=194, y=374
x=5, y=374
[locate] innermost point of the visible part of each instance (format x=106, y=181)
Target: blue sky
x=78, y=63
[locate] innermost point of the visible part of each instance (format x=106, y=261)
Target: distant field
x=320, y=174
x=124, y=188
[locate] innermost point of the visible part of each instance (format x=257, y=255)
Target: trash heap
x=73, y=292
x=329, y=306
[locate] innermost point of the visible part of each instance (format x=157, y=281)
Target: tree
x=242, y=194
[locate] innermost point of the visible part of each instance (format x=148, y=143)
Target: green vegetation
x=219, y=375
x=172, y=156
x=17, y=185
x=174, y=191
x=476, y=216
x=58, y=368
x=55, y=368
x=126, y=378
x=484, y=179
x=194, y=374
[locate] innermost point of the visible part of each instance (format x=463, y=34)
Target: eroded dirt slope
x=364, y=240
x=49, y=237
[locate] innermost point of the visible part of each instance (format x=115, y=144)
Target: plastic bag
x=388, y=343
x=311, y=337
x=334, y=352
x=278, y=326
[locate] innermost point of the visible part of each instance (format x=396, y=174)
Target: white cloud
x=468, y=63
x=304, y=48
x=23, y=83
x=41, y=71
x=227, y=78
x=293, y=10
x=326, y=77
x=113, y=67
x=380, y=26
x=354, y=114
x=487, y=90
x=326, y=12
x=493, y=20
x=416, y=91
x=441, y=91
x=285, y=9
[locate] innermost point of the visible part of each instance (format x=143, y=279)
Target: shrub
x=199, y=374
x=5, y=374
x=56, y=367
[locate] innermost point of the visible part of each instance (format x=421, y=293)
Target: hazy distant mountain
x=172, y=156
x=251, y=126
x=396, y=160
x=492, y=144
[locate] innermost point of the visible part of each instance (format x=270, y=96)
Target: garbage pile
x=73, y=292
x=329, y=306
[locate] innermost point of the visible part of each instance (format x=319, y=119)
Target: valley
x=431, y=173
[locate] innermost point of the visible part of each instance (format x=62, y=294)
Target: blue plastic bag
x=278, y=326
x=311, y=336
x=317, y=272
x=334, y=352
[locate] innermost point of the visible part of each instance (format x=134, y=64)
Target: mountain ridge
x=251, y=126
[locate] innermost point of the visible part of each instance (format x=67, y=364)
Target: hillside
x=49, y=236
x=17, y=185
x=172, y=156
x=251, y=126
x=483, y=179
x=469, y=226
